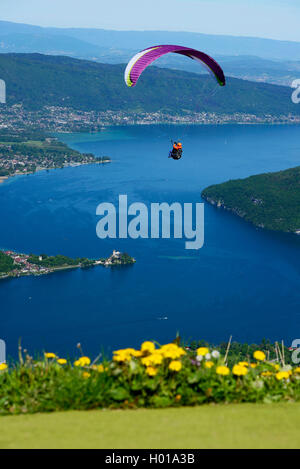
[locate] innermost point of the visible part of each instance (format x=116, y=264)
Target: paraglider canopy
x=143, y=59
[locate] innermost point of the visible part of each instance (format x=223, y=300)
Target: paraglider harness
x=175, y=153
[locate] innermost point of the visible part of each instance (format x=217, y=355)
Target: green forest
x=37, y=80
x=270, y=200
x=58, y=261
x=6, y=263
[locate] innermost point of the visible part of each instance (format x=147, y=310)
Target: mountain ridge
x=37, y=80
x=134, y=40
x=256, y=59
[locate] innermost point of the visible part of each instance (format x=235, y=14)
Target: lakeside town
x=14, y=265
x=64, y=119
x=25, y=153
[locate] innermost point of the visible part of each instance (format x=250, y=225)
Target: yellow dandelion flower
x=124, y=355
x=86, y=375
x=178, y=397
x=85, y=361
x=155, y=358
x=202, y=351
x=100, y=368
x=169, y=347
x=297, y=370
x=173, y=354
x=146, y=361
x=238, y=370
x=131, y=352
x=267, y=373
x=118, y=352
x=260, y=356
x=181, y=351
x=172, y=351
x=147, y=347
x=120, y=358
x=61, y=361
x=50, y=355
x=209, y=364
x=175, y=365
x=3, y=366
x=243, y=363
x=151, y=371
x=253, y=365
x=282, y=375
x=222, y=370
x=276, y=366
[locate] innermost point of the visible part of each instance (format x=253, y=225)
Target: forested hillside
x=269, y=200
x=38, y=80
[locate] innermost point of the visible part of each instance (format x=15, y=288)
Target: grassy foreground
x=152, y=377
x=214, y=426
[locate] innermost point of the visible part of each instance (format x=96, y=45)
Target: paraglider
x=176, y=152
x=143, y=59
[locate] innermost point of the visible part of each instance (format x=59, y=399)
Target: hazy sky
x=278, y=19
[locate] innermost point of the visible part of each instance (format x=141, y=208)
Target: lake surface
x=244, y=281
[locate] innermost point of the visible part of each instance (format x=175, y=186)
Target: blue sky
x=278, y=19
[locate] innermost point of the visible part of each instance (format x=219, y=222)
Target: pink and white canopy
x=140, y=61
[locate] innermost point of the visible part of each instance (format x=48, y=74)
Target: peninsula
x=13, y=264
x=270, y=200
x=28, y=151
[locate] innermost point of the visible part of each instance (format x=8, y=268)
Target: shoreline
x=37, y=270
x=220, y=205
x=53, y=270
x=5, y=178
x=171, y=123
x=60, y=119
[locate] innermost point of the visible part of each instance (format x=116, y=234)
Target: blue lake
x=244, y=281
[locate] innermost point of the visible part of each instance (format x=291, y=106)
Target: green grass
x=218, y=426
x=35, y=143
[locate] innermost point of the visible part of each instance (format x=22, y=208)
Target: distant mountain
x=134, y=40
x=262, y=70
x=38, y=80
x=46, y=44
x=242, y=57
x=212, y=44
